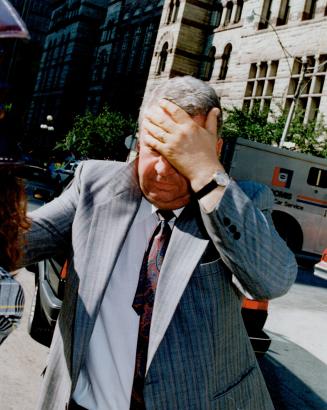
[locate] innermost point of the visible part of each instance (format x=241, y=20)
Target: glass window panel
x=317, y=177
x=249, y=89
x=270, y=87
x=273, y=68
x=314, y=108
x=292, y=87
x=322, y=63
x=246, y=105
x=259, y=89
x=263, y=69
x=297, y=66
x=306, y=85
x=319, y=84
x=253, y=70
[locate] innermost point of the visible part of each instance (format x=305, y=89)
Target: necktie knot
x=165, y=214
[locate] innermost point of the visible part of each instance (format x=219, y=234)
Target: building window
x=309, y=9
x=239, y=9
x=209, y=65
x=170, y=11
x=148, y=43
x=163, y=59
x=265, y=15
x=176, y=10
x=283, y=14
x=224, y=62
x=229, y=9
x=217, y=13
x=260, y=85
x=173, y=10
x=135, y=50
x=317, y=177
x=311, y=87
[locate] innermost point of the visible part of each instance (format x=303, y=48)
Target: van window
x=317, y=177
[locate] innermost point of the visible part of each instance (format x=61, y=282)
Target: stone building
x=63, y=77
x=123, y=54
x=96, y=52
x=253, y=52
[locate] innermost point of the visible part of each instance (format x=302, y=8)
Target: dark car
x=40, y=187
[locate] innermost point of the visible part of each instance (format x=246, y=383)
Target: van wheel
x=289, y=229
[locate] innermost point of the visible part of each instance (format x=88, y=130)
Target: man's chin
x=167, y=203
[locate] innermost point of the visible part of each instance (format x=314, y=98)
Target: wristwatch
x=219, y=178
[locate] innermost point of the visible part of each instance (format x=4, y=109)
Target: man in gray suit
x=199, y=356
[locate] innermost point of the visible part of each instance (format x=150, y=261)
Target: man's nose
x=163, y=167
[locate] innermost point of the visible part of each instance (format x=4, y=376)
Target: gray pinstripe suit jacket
x=199, y=354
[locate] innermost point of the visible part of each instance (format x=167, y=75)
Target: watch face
x=222, y=178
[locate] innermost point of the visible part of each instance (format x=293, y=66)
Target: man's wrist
x=217, y=178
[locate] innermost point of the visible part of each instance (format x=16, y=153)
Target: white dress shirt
x=106, y=378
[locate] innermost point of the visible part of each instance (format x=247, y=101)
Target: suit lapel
x=185, y=249
x=110, y=224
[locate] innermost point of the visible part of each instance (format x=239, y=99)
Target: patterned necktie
x=144, y=299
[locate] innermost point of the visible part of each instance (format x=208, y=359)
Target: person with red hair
x=13, y=220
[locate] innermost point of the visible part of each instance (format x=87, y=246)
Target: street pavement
x=295, y=367
x=22, y=360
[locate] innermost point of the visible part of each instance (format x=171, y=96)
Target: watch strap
x=206, y=189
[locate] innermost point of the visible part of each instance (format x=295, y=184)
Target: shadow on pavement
x=295, y=378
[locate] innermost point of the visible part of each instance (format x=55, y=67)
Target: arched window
x=216, y=16
x=224, y=62
x=163, y=58
x=170, y=11
x=229, y=9
x=177, y=4
x=209, y=64
x=239, y=9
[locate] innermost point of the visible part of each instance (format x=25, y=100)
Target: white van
x=299, y=184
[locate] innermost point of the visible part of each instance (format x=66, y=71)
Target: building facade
x=123, y=55
x=63, y=76
x=96, y=52
x=254, y=53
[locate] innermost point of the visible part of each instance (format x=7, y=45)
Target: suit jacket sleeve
x=242, y=230
x=50, y=232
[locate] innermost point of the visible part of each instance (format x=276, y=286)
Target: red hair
x=13, y=220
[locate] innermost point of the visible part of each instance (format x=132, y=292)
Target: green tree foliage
x=267, y=127
x=99, y=136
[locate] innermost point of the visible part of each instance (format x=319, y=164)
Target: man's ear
x=212, y=121
x=219, y=145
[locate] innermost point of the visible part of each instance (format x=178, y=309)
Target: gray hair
x=191, y=94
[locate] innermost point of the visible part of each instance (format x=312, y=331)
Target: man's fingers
x=176, y=113
x=160, y=118
x=152, y=142
x=212, y=121
x=157, y=132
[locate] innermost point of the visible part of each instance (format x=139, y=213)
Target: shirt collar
x=147, y=210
